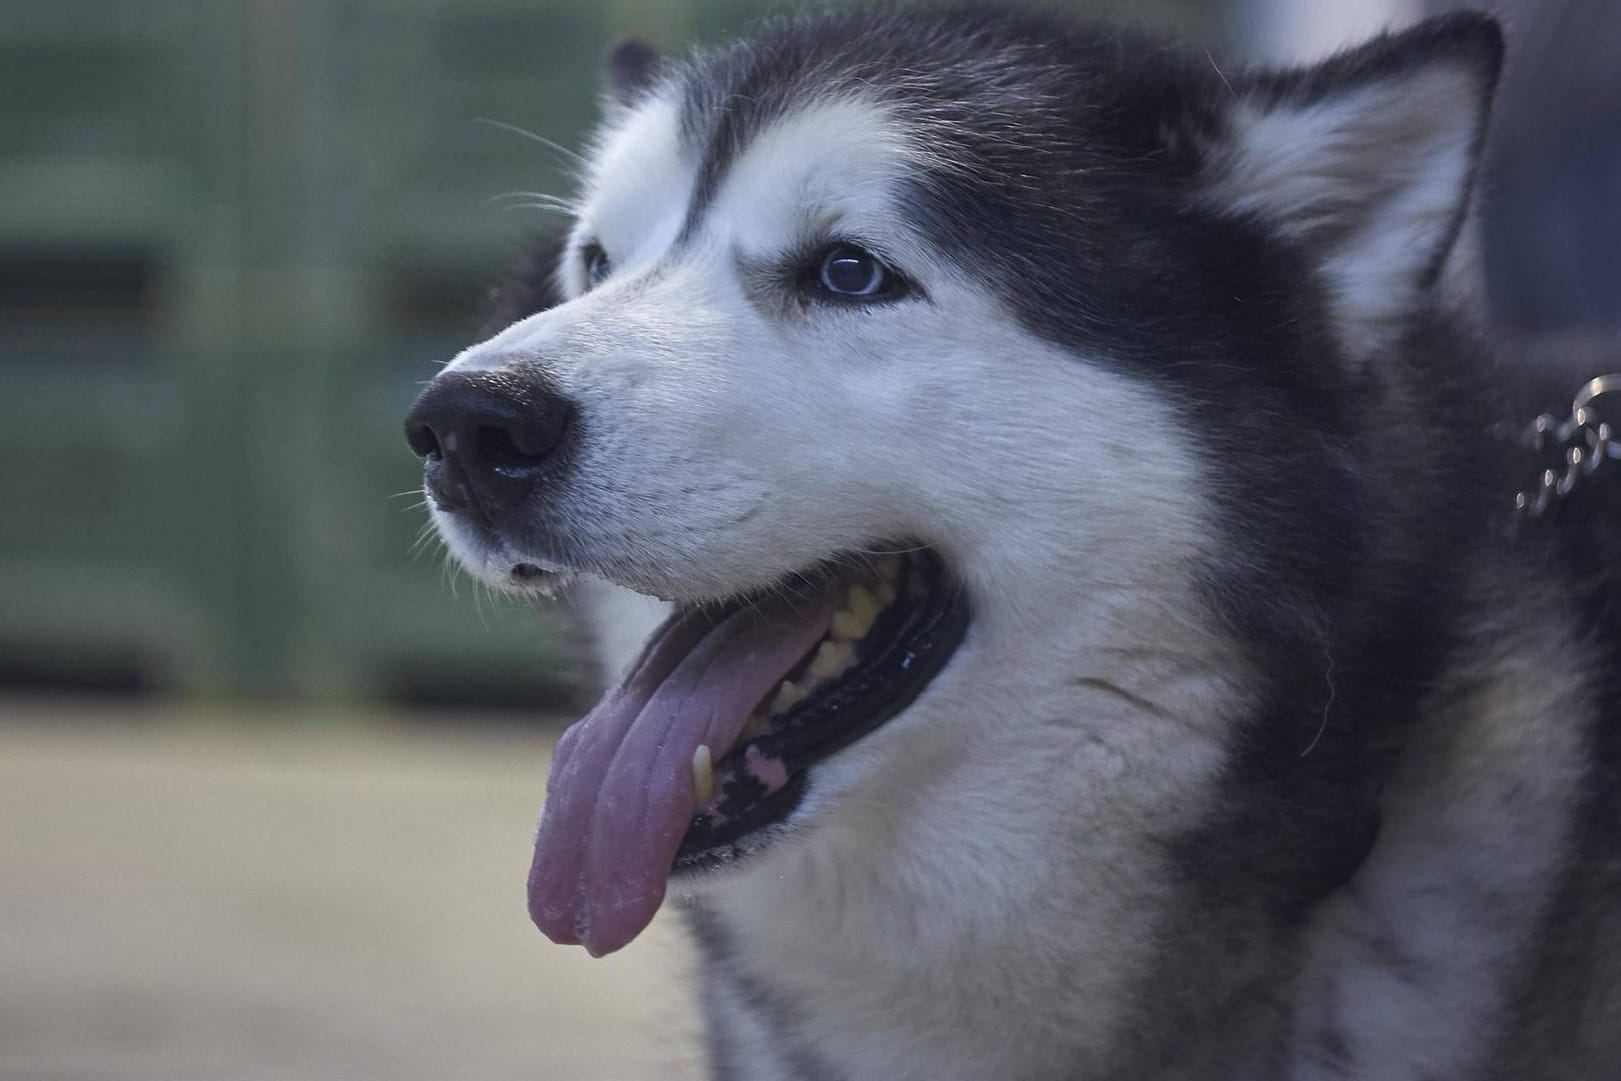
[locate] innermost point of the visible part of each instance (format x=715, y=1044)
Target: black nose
x=485, y=437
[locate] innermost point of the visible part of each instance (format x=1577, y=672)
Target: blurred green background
x=234, y=238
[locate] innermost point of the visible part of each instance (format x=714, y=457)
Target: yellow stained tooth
x=847, y=626
x=787, y=696
x=831, y=659
x=703, y=776
x=855, y=618
x=865, y=604
x=886, y=592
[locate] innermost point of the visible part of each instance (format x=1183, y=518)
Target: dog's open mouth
x=709, y=735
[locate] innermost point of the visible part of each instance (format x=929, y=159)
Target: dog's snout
x=485, y=437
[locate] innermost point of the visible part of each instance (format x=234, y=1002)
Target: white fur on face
x=732, y=437
x=636, y=194
x=831, y=166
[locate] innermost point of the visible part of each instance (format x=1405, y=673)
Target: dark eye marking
x=597, y=264
x=847, y=273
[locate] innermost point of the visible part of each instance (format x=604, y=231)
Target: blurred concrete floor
x=194, y=896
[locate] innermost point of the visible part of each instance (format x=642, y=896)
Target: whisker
x=559, y=148
x=557, y=201
x=479, y=586
x=447, y=574
x=923, y=547
x=425, y=536
x=542, y=207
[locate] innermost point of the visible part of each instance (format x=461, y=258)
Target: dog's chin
x=511, y=566
x=488, y=556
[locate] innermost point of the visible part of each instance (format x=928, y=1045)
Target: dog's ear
x=632, y=67
x=1367, y=160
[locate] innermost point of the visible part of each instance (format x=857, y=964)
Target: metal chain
x=1585, y=439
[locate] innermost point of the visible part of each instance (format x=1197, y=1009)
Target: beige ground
x=184, y=898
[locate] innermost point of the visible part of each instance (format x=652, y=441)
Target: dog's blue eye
x=597, y=265
x=847, y=271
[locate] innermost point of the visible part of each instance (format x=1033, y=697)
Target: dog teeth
x=855, y=619
x=831, y=659
x=864, y=603
x=703, y=776
x=846, y=627
x=788, y=695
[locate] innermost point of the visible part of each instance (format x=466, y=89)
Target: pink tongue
x=620, y=795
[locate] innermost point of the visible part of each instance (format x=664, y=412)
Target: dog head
x=1074, y=326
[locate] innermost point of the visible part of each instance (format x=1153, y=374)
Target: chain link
x=1585, y=441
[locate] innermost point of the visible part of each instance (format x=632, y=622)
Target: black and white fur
x=1277, y=747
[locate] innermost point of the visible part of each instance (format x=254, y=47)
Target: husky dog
x=1103, y=641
